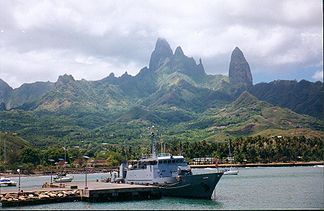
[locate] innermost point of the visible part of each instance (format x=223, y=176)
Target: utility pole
x=180, y=147
x=18, y=170
x=4, y=150
x=85, y=171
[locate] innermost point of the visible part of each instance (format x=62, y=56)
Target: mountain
x=27, y=96
x=303, y=97
x=171, y=79
x=161, y=52
x=70, y=94
x=66, y=92
x=180, y=64
x=247, y=115
x=173, y=92
x=5, y=91
x=183, y=95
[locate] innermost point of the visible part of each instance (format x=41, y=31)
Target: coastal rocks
x=53, y=185
x=15, y=199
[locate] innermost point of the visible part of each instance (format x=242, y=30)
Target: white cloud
x=318, y=75
x=40, y=40
x=47, y=66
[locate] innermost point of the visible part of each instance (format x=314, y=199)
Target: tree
x=30, y=155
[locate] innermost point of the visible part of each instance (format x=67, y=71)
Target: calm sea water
x=253, y=188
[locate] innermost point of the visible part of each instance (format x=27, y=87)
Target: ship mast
x=153, y=142
x=4, y=150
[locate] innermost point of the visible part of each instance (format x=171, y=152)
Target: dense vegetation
x=115, y=135
x=248, y=149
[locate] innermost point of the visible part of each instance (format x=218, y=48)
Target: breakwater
x=38, y=197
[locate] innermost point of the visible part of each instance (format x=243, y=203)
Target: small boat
x=62, y=178
x=231, y=171
x=7, y=182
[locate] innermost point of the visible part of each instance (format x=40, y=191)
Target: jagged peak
x=238, y=53
x=110, y=78
x=111, y=75
x=65, y=78
x=162, y=43
x=161, y=52
x=178, y=52
x=125, y=75
x=239, y=70
x=201, y=67
x=237, y=49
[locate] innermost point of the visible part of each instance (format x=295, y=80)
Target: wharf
x=76, y=191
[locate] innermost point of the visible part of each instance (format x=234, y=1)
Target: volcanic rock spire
x=161, y=52
x=239, y=70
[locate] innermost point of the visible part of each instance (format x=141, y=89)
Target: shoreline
x=222, y=165
x=277, y=164
x=68, y=171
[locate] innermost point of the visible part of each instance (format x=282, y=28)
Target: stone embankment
x=39, y=197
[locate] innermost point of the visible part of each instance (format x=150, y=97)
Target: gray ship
x=172, y=174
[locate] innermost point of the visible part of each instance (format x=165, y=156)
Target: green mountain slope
x=11, y=145
x=302, y=97
x=28, y=95
x=184, y=95
x=248, y=116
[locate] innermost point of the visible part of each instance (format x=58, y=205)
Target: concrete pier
x=76, y=191
x=99, y=191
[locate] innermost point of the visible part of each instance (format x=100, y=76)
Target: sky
x=89, y=39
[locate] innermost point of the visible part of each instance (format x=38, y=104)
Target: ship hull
x=193, y=186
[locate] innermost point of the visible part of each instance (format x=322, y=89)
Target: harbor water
x=252, y=188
